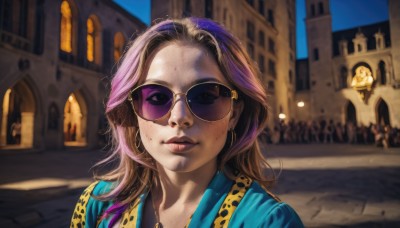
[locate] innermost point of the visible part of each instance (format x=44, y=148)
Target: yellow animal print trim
x=78, y=217
x=130, y=215
x=232, y=200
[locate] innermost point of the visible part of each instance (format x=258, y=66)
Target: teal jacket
x=225, y=203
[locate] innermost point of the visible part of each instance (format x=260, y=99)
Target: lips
x=180, y=144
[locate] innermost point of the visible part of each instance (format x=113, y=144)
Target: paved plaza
x=328, y=185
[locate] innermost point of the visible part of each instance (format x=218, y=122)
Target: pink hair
x=135, y=171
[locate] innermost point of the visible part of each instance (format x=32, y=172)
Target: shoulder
x=88, y=208
x=260, y=208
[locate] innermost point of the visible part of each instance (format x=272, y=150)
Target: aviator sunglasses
x=209, y=101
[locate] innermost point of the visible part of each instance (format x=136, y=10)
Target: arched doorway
x=351, y=115
x=382, y=113
x=17, y=122
x=75, y=120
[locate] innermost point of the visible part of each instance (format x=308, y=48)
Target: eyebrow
x=148, y=81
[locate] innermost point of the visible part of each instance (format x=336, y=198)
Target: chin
x=179, y=166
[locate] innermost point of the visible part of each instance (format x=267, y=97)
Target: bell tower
x=394, y=18
x=319, y=41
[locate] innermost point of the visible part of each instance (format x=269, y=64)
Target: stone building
x=351, y=75
x=265, y=27
x=55, y=61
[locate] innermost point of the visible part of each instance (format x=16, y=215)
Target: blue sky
x=345, y=14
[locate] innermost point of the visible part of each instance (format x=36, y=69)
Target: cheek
x=219, y=132
x=146, y=130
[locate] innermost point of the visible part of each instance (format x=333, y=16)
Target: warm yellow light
x=66, y=27
x=70, y=98
x=300, y=104
x=90, y=40
x=119, y=42
x=281, y=116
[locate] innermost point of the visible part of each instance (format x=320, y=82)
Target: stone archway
x=382, y=113
x=75, y=120
x=351, y=114
x=17, y=122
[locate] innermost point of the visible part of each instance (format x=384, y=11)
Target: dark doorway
x=382, y=113
x=351, y=113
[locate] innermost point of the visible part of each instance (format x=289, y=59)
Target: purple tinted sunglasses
x=209, y=101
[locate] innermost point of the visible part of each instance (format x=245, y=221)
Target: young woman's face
x=179, y=141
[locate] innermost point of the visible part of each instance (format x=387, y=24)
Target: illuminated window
x=66, y=27
x=119, y=42
x=90, y=40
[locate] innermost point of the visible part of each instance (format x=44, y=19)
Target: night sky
x=345, y=14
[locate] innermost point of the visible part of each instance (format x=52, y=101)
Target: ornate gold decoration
x=363, y=82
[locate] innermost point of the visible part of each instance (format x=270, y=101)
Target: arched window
x=119, y=42
x=359, y=47
x=90, y=40
x=93, y=40
x=343, y=77
x=66, y=27
x=382, y=73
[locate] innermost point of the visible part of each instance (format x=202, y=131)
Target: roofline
x=124, y=12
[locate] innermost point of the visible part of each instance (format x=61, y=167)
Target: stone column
x=27, y=126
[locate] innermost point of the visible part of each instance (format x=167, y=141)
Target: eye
x=158, y=98
x=206, y=97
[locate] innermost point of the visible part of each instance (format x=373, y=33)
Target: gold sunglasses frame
x=234, y=97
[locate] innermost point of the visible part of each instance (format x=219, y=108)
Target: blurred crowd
x=330, y=132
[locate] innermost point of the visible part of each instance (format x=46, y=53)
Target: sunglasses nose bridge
x=176, y=98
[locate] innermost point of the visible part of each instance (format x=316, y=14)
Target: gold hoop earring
x=233, y=137
x=137, y=140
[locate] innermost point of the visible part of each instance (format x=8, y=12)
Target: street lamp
x=282, y=116
x=300, y=104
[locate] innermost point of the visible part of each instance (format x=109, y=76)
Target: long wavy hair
x=135, y=170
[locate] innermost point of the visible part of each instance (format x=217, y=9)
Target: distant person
x=73, y=133
x=68, y=133
x=16, y=129
x=186, y=108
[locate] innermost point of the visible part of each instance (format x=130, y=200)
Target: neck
x=183, y=188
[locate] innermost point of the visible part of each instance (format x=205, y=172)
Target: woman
x=185, y=109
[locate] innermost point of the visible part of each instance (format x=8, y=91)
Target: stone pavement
x=328, y=185
x=339, y=185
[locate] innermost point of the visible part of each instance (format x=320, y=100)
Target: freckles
x=148, y=137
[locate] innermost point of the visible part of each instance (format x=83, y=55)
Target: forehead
x=182, y=64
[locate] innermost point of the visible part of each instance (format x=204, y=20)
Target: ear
x=235, y=114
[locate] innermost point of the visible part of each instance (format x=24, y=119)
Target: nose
x=180, y=114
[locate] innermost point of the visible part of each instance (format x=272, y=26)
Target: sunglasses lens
x=210, y=101
x=152, y=102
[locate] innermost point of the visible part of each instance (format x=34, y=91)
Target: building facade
x=55, y=61
x=266, y=29
x=351, y=75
